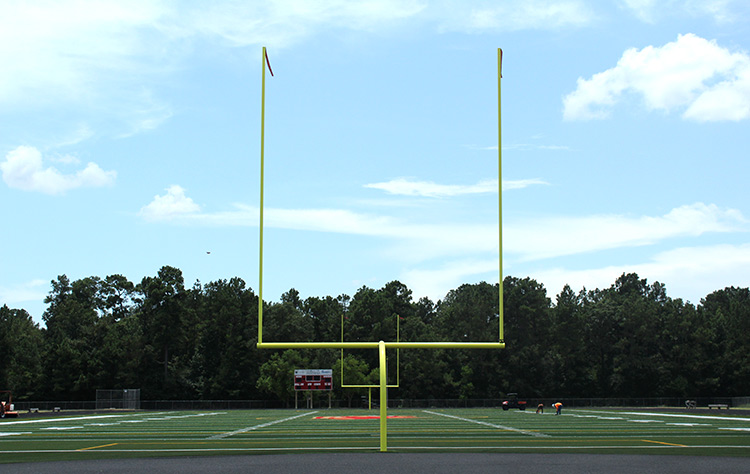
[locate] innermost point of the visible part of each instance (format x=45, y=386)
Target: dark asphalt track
x=399, y=463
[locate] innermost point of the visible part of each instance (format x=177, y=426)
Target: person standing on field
x=558, y=408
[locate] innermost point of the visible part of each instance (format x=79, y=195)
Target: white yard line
x=702, y=417
x=98, y=417
x=251, y=428
x=500, y=427
x=57, y=420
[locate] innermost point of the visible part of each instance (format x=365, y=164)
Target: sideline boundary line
x=72, y=418
x=501, y=427
x=670, y=415
x=252, y=428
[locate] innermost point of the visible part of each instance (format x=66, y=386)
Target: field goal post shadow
x=381, y=346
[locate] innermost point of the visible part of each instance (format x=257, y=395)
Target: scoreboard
x=313, y=379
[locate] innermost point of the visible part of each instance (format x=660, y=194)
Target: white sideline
x=702, y=417
x=57, y=420
x=251, y=428
x=500, y=427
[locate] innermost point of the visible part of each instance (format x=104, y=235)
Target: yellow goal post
x=381, y=346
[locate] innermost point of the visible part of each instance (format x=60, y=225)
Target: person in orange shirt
x=558, y=408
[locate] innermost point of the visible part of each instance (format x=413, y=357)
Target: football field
x=229, y=432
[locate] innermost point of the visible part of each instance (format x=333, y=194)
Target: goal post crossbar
x=375, y=345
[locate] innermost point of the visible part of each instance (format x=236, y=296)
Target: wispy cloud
x=65, y=51
x=432, y=282
x=439, y=255
x=525, y=240
x=511, y=16
x=570, y=235
x=521, y=147
x=107, y=59
x=651, y=11
x=92, y=58
x=35, y=290
x=706, y=81
x=24, y=169
x=78, y=52
x=81, y=133
x=406, y=187
x=686, y=271
x=286, y=22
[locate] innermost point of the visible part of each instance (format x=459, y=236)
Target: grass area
x=194, y=433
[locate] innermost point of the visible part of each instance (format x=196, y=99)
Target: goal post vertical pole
x=262, y=164
x=500, y=187
x=383, y=399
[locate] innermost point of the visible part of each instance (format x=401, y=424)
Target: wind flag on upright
x=268, y=62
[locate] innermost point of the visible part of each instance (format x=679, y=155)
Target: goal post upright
x=383, y=398
x=500, y=188
x=262, y=172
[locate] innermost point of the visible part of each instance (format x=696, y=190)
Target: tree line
x=175, y=342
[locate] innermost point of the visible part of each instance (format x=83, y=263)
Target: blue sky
x=130, y=140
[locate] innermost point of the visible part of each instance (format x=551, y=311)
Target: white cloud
x=282, y=23
x=643, y=9
x=558, y=236
x=35, y=290
x=81, y=133
x=721, y=10
x=85, y=49
x=689, y=272
x=24, y=169
x=105, y=60
x=482, y=16
x=62, y=50
x=79, y=51
x=174, y=204
x=522, y=183
x=521, y=147
x=528, y=146
x=147, y=113
x=432, y=283
x=406, y=187
x=471, y=250
x=652, y=10
x=527, y=240
x=709, y=82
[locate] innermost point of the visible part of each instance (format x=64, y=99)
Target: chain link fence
x=569, y=402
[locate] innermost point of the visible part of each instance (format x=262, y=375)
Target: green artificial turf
x=143, y=434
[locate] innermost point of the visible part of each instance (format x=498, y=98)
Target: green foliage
x=20, y=353
x=277, y=374
x=628, y=340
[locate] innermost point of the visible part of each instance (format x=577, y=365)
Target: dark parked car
x=514, y=402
